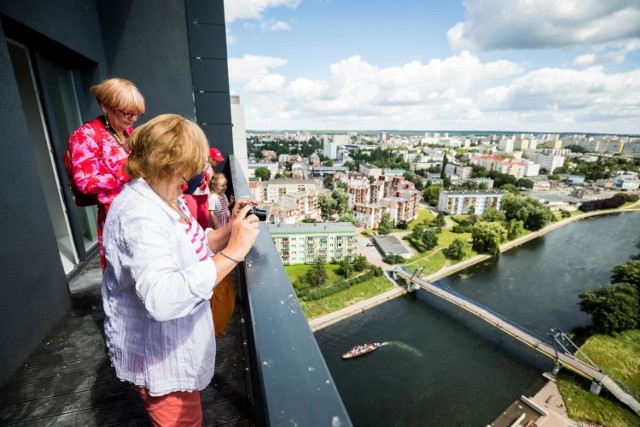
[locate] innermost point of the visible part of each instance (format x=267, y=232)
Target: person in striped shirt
x=160, y=271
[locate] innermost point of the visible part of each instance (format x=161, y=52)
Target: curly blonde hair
x=167, y=145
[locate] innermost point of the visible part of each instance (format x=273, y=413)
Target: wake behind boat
x=361, y=350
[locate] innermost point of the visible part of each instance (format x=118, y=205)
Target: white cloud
x=252, y=67
x=585, y=60
x=590, y=98
x=274, y=26
x=615, y=53
x=458, y=92
x=527, y=24
x=253, y=9
x=266, y=84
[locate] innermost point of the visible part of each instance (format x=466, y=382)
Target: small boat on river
x=361, y=350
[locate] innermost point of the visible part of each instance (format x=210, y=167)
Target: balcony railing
x=290, y=379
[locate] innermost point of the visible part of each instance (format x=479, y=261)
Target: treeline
x=312, y=286
x=610, y=203
x=615, y=307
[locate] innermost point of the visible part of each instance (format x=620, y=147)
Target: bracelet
x=232, y=259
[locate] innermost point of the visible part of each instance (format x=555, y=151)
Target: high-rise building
x=239, y=133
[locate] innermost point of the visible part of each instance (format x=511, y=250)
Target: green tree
x=439, y=221
x=613, y=308
x=345, y=268
x=628, y=272
x=444, y=165
x=347, y=217
x=487, y=237
x=326, y=204
x=340, y=201
x=511, y=188
x=430, y=239
x=360, y=263
x=317, y=275
x=493, y=215
x=538, y=217
x=327, y=181
x=515, y=229
x=431, y=194
x=417, y=231
x=385, y=225
x=263, y=173
x=457, y=250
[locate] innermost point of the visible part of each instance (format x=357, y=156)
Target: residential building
x=239, y=132
x=273, y=168
x=272, y=191
x=370, y=170
x=488, y=182
x=626, y=182
x=318, y=171
x=399, y=209
x=512, y=167
x=367, y=215
x=330, y=150
x=463, y=172
x=305, y=243
x=296, y=207
x=469, y=202
x=549, y=161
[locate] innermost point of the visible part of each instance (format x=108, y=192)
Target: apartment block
x=469, y=202
x=304, y=243
x=626, y=182
x=367, y=215
x=549, y=162
x=296, y=207
x=273, y=191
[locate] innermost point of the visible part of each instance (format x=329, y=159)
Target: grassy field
x=618, y=356
x=295, y=271
x=423, y=216
x=354, y=294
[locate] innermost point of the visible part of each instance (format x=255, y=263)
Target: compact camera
x=260, y=213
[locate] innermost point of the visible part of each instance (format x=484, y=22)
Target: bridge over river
x=563, y=357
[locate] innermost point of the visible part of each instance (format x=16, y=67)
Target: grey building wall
x=157, y=45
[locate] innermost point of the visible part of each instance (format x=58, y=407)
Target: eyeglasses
x=129, y=115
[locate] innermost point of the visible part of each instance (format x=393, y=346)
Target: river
x=444, y=367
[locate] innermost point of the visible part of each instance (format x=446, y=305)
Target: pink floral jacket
x=98, y=161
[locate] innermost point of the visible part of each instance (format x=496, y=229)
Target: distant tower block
x=239, y=132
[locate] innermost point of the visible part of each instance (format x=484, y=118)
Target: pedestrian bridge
x=550, y=349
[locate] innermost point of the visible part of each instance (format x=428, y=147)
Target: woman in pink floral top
x=99, y=148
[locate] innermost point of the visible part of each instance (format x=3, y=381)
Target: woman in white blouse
x=160, y=272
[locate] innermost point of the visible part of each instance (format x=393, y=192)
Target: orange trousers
x=176, y=409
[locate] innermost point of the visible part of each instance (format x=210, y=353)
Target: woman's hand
x=244, y=229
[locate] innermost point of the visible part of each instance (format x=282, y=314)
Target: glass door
x=51, y=111
x=63, y=117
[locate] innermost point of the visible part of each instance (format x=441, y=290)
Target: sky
x=433, y=65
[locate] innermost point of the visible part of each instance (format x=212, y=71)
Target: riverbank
x=331, y=318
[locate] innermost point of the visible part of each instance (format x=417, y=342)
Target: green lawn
x=432, y=263
x=620, y=358
x=423, y=215
x=360, y=292
x=295, y=271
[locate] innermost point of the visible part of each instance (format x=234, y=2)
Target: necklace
x=113, y=132
x=176, y=209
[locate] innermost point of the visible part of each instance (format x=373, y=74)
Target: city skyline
x=410, y=65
